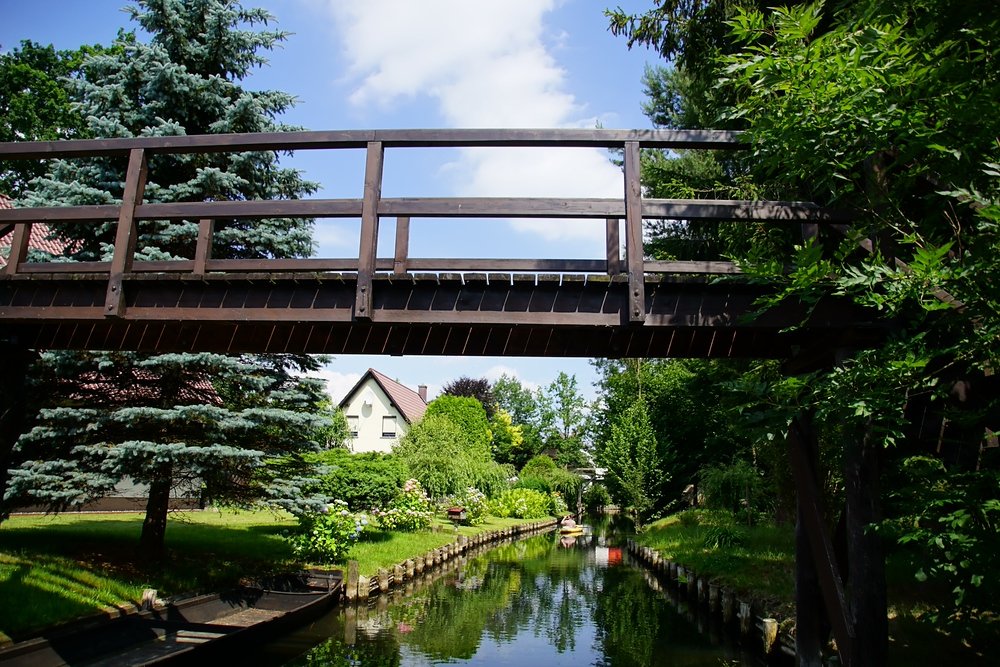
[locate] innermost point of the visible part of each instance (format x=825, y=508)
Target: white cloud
x=485, y=64
x=493, y=373
x=337, y=384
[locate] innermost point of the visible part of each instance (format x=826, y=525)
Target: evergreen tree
x=163, y=419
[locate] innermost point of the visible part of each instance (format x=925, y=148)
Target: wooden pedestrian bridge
x=619, y=305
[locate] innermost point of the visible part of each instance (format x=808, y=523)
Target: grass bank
x=59, y=567
x=378, y=549
x=758, y=562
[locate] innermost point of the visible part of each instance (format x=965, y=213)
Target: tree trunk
x=14, y=363
x=154, y=527
x=865, y=551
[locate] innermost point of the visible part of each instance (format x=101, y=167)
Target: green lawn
x=761, y=567
x=61, y=567
x=383, y=550
x=64, y=566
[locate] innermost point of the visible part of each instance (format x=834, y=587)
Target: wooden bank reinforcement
x=716, y=607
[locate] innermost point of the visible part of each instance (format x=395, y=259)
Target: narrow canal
x=544, y=600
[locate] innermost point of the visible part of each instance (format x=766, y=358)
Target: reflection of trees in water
x=525, y=587
x=380, y=650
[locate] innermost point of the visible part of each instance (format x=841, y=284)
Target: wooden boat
x=193, y=629
x=571, y=530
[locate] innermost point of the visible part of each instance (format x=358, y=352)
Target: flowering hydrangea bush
x=557, y=505
x=521, y=504
x=327, y=536
x=475, y=503
x=411, y=510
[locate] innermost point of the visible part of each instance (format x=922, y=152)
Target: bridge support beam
x=845, y=594
x=813, y=609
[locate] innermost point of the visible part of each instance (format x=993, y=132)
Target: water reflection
x=541, y=601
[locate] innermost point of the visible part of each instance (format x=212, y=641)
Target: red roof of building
x=39, y=236
x=407, y=401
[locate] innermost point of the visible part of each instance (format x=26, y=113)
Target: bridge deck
x=416, y=313
x=618, y=305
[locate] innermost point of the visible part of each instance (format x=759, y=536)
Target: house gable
x=379, y=412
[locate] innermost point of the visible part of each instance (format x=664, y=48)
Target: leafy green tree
x=477, y=388
x=630, y=456
x=467, y=414
x=885, y=109
x=568, y=420
x=528, y=411
x=165, y=427
x=508, y=438
x=446, y=461
x=36, y=104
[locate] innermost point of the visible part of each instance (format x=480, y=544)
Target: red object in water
x=614, y=556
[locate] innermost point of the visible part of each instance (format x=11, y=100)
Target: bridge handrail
x=333, y=139
x=631, y=208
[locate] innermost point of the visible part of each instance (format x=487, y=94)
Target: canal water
x=545, y=600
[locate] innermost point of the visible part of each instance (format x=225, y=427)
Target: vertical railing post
x=369, y=230
x=18, y=248
x=125, y=236
x=402, y=246
x=633, y=234
x=203, y=248
x=613, y=247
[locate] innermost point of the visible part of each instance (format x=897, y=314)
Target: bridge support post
x=812, y=626
x=817, y=576
x=15, y=360
x=369, y=230
x=633, y=235
x=125, y=236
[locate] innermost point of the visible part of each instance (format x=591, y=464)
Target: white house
x=380, y=411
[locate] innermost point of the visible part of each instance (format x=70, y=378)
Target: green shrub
x=410, y=510
x=327, y=536
x=363, y=481
x=736, y=487
x=545, y=475
x=446, y=462
x=521, y=504
x=724, y=537
x=557, y=506
x=465, y=412
x=596, y=498
x=534, y=483
x=475, y=503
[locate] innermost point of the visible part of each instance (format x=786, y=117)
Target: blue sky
x=431, y=64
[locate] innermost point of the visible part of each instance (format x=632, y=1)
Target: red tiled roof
x=39, y=239
x=141, y=387
x=407, y=401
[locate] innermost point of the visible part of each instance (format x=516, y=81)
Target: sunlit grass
x=762, y=566
x=60, y=567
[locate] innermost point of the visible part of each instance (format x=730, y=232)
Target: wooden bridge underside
x=427, y=314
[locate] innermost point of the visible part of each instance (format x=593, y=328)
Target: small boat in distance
x=568, y=526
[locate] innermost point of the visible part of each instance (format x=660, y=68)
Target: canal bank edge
x=721, y=604
x=357, y=587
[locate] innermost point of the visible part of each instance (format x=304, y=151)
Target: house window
x=352, y=426
x=388, y=427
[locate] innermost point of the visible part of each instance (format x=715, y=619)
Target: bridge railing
x=371, y=207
